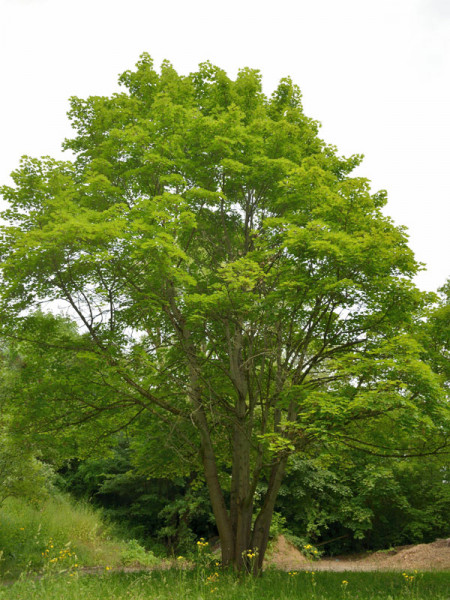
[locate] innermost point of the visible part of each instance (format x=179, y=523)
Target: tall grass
x=186, y=585
x=31, y=537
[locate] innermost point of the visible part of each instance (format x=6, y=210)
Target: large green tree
x=232, y=283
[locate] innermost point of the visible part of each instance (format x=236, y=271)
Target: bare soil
x=423, y=557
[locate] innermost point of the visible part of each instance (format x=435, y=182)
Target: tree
x=22, y=474
x=352, y=502
x=168, y=514
x=233, y=287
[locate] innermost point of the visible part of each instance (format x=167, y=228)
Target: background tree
x=231, y=282
x=22, y=474
x=352, y=502
x=167, y=515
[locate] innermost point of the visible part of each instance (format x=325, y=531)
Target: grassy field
x=46, y=549
x=200, y=585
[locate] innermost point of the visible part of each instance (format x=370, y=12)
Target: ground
x=421, y=557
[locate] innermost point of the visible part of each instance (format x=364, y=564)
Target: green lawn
x=199, y=585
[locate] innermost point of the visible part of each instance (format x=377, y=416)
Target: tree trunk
x=261, y=528
x=234, y=527
x=241, y=498
x=221, y=515
x=207, y=454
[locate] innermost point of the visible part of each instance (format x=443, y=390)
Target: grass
x=57, y=535
x=198, y=585
x=45, y=549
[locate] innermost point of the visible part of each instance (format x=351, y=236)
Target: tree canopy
x=238, y=296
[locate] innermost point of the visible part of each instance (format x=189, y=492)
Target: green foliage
x=129, y=498
x=21, y=473
x=185, y=518
x=137, y=556
x=435, y=335
x=165, y=515
x=311, y=552
x=353, y=502
x=149, y=223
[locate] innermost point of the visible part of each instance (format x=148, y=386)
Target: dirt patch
x=422, y=557
x=286, y=556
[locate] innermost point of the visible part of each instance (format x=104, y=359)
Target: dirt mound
x=423, y=556
x=286, y=556
x=404, y=558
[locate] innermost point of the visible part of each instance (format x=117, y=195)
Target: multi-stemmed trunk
x=243, y=546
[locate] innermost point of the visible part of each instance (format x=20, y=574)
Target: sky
x=375, y=73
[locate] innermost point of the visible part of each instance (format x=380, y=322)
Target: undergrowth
x=59, y=534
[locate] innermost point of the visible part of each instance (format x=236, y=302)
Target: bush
x=21, y=473
x=136, y=555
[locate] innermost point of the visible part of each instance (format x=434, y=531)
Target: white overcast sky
x=375, y=73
